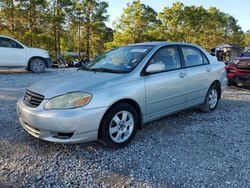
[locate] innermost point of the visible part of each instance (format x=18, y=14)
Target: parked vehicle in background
x=246, y=53
x=238, y=71
x=112, y=96
x=78, y=63
x=15, y=54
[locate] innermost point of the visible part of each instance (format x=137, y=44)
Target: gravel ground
x=188, y=149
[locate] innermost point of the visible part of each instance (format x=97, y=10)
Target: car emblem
x=29, y=98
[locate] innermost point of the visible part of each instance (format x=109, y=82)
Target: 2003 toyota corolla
x=115, y=94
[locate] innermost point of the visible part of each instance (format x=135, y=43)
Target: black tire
x=108, y=124
x=212, y=99
x=37, y=65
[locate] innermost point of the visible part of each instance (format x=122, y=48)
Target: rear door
x=166, y=90
x=199, y=74
x=11, y=53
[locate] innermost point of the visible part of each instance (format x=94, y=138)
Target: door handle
x=208, y=69
x=182, y=74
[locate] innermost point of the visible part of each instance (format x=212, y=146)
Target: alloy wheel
x=121, y=126
x=213, y=99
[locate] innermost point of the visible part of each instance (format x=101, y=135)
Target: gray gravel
x=188, y=149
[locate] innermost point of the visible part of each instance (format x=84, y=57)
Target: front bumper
x=61, y=126
x=243, y=79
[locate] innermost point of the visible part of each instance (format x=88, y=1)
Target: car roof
x=160, y=43
x=5, y=36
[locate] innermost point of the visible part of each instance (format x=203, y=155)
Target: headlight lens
x=68, y=100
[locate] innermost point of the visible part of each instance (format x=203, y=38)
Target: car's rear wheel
x=37, y=65
x=212, y=99
x=119, y=126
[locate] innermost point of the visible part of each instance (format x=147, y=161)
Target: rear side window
x=8, y=43
x=193, y=56
x=168, y=56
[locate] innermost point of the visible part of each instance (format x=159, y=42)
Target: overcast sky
x=240, y=9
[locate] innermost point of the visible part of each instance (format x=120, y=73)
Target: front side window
x=5, y=43
x=8, y=43
x=192, y=56
x=120, y=60
x=168, y=56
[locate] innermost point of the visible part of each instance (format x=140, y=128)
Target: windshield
x=119, y=60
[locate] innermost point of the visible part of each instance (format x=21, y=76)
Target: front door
x=11, y=53
x=165, y=90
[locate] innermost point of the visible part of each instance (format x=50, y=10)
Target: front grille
x=32, y=99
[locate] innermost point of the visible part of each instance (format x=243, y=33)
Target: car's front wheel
x=37, y=65
x=212, y=99
x=119, y=126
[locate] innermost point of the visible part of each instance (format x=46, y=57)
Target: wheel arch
x=218, y=85
x=36, y=57
x=122, y=101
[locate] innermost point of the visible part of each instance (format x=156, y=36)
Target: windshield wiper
x=100, y=69
x=84, y=68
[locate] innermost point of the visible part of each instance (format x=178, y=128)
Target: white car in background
x=14, y=54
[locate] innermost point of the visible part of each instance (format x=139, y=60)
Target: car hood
x=37, y=50
x=85, y=81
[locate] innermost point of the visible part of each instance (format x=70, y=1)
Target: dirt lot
x=188, y=149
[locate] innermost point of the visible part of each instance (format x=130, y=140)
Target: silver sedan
x=111, y=97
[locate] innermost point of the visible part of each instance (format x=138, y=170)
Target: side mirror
x=156, y=67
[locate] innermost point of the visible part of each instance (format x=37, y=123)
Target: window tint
x=122, y=59
x=192, y=56
x=167, y=56
x=205, y=60
x=8, y=43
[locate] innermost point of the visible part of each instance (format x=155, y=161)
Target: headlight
x=231, y=70
x=68, y=100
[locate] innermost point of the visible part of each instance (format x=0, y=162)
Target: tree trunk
x=87, y=41
x=58, y=41
x=55, y=41
x=79, y=41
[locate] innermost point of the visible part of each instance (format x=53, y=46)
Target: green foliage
x=72, y=25
x=136, y=24
x=193, y=24
x=247, y=38
x=87, y=18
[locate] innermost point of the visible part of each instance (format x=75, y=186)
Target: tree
x=33, y=19
x=195, y=24
x=247, y=38
x=9, y=18
x=136, y=24
x=89, y=16
x=57, y=16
